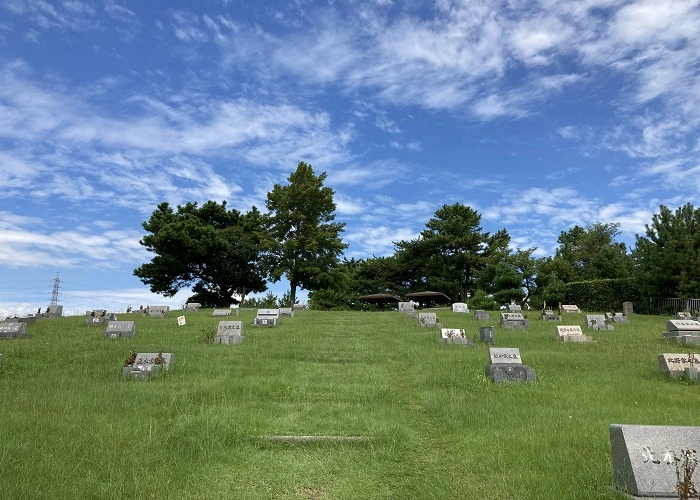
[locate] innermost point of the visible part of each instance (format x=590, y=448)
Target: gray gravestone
x=193, y=306
x=286, y=312
x=427, y=320
x=267, y=317
x=482, y=315
x=674, y=365
x=505, y=365
x=460, y=307
x=644, y=457
x=548, y=315
x=597, y=322
x=221, y=312
x=683, y=331
x=513, y=321
x=13, y=330
x=514, y=308
x=229, y=332
x=157, y=311
x=146, y=366
x=627, y=308
x=487, y=334
x=120, y=329
x=570, y=308
x=99, y=317
x=406, y=306
x=298, y=307
x=454, y=336
x=571, y=333
x=619, y=317
x=53, y=311
x=29, y=320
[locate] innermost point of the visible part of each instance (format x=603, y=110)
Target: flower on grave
x=131, y=358
x=159, y=359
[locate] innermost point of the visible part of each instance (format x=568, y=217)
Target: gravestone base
x=140, y=374
x=228, y=339
x=515, y=324
x=458, y=340
x=412, y=315
x=547, y=317
x=430, y=325
x=482, y=316
x=29, y=320
x=507, y=372
x=692, y=373
x=685, y=339
x=621, y=319
x=602, y=327
x=487, y=334
x=575, y=338
x=117, y=334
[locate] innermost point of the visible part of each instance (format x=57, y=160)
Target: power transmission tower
x=56, y=288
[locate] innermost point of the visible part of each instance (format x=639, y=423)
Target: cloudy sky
x=538, y=114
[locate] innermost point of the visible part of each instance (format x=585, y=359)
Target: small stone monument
x=571, y=333
x=193, y=306
x=222, y=312
x=229, y=332
x=684, y=315
x=157, y=311
x=147, y=364
x=514, y=308
x=120, y=329
x=627, y=308
x=548, y=315
x=674, y=365
x=487, y=334
x=513, y=321
x=644, y=457
x=13, y=330
x=406, y=307
x=298, y=307
x=428, y=320
x=570, y=308
x=99, y=317
x=53, y=311
x=454, y=336
x=617, y=317
x=683, y=331
x=598, y=322
x=267, y=317
x=286, y=312
x=505, y=365
x=480, y=315
x=460, y=307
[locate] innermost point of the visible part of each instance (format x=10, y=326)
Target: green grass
x=72, y=427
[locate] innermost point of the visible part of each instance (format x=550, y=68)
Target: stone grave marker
x=298, y=307
x=193, y=306
x=571, y=333
x=548, y=315
x=487, y=334
x=513, y=321
x=29, y=320
x=627, y=308
x=221, y=312
x=597, y=322
x=99, y=317
x=267, y=317
x=505, y=365
x=570, y=308
x=53, y=311
x=120, y=329
x=460, y=307
x=481, y=315
x=683, y=331
x=619, y=317
x=644, y=457
x=157, y=311
x=454, y=336
x=146, y=365
x=286, y=312
x=684, y=315
x=428, y=320
x=13, y=330
x=406, y=307
x=229, y=332
x=674, y=365
x=514, y=308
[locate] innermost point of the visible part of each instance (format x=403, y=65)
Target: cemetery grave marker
x=193, y=306
x=627, y=308
x=13, y=330
x=53, y=311
x=481, y=315
x=505, y=365
x=428, y=320
x=222, y=312
x=157, y=311
x=513, y=321
x=570, y=308
x=99, y=317
x=147, y=364
x=229, y=332
x=514, y=308
x=298, y=307
x=619, y=317
x=120, y=329
x=487, y=334
x=454, y=336
x=460, y=307
x=644, y=457
x=674, y=365
x=597, y=322
x=286, y=312
x=29, y=320
x=548, y=315
x=571, y=333
x=683, y=315
x=267, y=317
x=683, y=331
x=406, y=307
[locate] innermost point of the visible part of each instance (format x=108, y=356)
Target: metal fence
x=668, y=306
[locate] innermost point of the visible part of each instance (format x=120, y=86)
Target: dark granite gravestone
x=644, y=457
x=571, y=333
x=460, y=307
x=487, y=334
x=683, y=331
x=454, y=336
x=157, y=311
x=505, y=365
x=481, y=315
x=221, y=312
x=193, y=306
x=146, y=365
x=267, y=317
x=120, y=329
x=286, y=312
x=229, y=332
x=13, y=330
x=674, y=365
x=406, y=307
x=513, y=321
x=598, y=322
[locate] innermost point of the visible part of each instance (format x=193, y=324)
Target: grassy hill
x=432, y=425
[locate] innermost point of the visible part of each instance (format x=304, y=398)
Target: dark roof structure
x=379, y=298
x=428, y=297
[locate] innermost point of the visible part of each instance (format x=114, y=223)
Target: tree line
x=224, y=254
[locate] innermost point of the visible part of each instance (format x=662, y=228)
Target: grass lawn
x=435, y=427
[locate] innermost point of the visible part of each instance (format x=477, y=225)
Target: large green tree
x=303, y=242
x=212, y=248
x=668, y=256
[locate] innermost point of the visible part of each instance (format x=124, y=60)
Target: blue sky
x=538, y=114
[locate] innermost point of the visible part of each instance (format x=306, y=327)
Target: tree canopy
x=214, y=249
